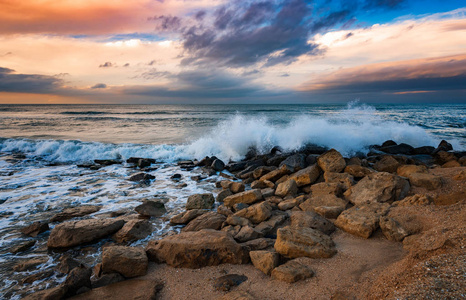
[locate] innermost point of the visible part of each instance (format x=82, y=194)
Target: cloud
x=99, y=86
x=27, y=83
x=106, y=65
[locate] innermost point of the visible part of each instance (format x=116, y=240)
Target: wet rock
x=276, y=160
x=200, y=201
x=198, y=178
x=187, y=216
x=425, y=150
x=141, y=162
x=128, y=261
x=292, y=271
x=389, y=143
x=176, y=176
x=345, y=180
x=398, y=149
x=247, y=197
x=210, y=220
x=247, y=233
x=22, y=247
x=197, y=249
x=270, y=226
x=256, y=213
x=362, y=221
x=309, y=219
x=295, y=242
x=35, y=229
x=415, y=200
x=74, y=212
x=237, y=295
x=30, y=263
x=322, y=200
x=133, y=230
x=265, y=261
x=387, y=164
x=427, y=181
x=324, y=188
x=392, y=229
x=218, y=165
x=75, y=233
x=223, y=194
x=378, y=187
x=442, y=157
x=37, y=276
x=261, y=171
x=78, y=278
x=206, y=161
x=295, y=162
x=106, y=279
x=287, y=188
x=331, y=161
x=226, y=282
x=357, y=171
x=234, y=186
x=107, y=162
x=142, y=177
x=406, y=170
x=443, y=146
x=151, y=208
x=66, y=264
x=277, y=174
x=140, y=289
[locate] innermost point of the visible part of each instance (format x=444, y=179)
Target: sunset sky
x=219, y=51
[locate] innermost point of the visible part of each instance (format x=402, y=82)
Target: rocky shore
x=305, y=225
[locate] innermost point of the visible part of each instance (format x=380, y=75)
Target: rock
x=218, y=165
x=247, y=197
x=309, y=219
x=247, y=233
x=67, y=264
x=387, y=164
x=451, y=164
x=30, y=263
x=406, y=170
x=22, y=247
x=362, y=221
x=288, y=204
x=151, y=209
x=235, y=220
x=107, y=162
x=296, y=162
x=106, y=279
x=140, y=289
x=398, y=149
x=389, y=143
x=210, y=220
x=142, y=177
x=75, y=233
x=257, y=244
x=128, y=261
x=287, y=188
x=265, y=261
x=239, y=206
x=306, y=176
x=276, y=160
x=200, y=201
x=270, y=226
x=262, y=184
x=427, y=181
x=443, y=146
x=231, y=230
x=197, y=249
x=292, y=271
x=223, y=210
x=74, y=212
x=78, y=278
x=442, y=157
x=392, y=229
x=331, y=212
x=269, y=192
x=236, y=187
x=378, y=187
x=277, y=174
x=415, y=200
x=428, y=150
x=35, y=229
x=295, y=242
x=176, y=177
x=37, y=276
x=226, y=282
x=261, y=171
x=324, y=188
x=237, y=295
x=331, y=161
x=256, y=213
x=223, y=194
x=133, y=230
x=49, y=294
x=357, y=171
x=322, y=200
x=187, y=216
x=345, y=180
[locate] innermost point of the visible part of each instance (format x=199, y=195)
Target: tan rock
x=247, y=197
x=324, y=188
x=247, y=233
x=277, y=174
x=362, y=221
x=262, y=184
x=223, y=194
x=187, y=216
x=265, y=261
x=387, y=164
x=331, y=161
x=128, y=261
x=282, y=179
x=288, y=204
x=427, y=181
x=261, y=171
x=210, y=220
x=287, y=188
x=306, y=176
x=392, y=229
x=232, y=230
x=140, y=289
x=331, y=212
x=295, y=242
x=256, y=213
x=309, y=219
x=235, y=220
x=133, y=230
x=415, y=200
x=223, y=210
x=357, y=171
x=271, y=225
x=200, y=201
x=406, y=170
x=323, y=200
x=74, y=212
x=344, y=179
x=292, y=271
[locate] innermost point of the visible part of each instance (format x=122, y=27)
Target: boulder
x=270, y=226
x=142, y=177
x=378, y=187
x=78, y=278
x=247, y=197
x=288, y=204
x=331, y=212
x=128, y=261
x=218, y=165
x=387, y=164
x=357, y=171
x=256, y=213
x=197, y=249
x=323, y=200
x=309, y=219
x=442, y=157
x=66, y=264
x=287, y=188
x=261, y=171
x=75, y=233
x=406, y=170
x=345, y=180
x=35, y=229
x=392, y=229
x=278, y=173
x=427, y=181
x=415, y=200
x=151, y=208
x=210, y=220
x=140, y=289
x=296, y=162
x=247, y=233
x=200, y=201
x=268, y=192
x=223, y=210
x=187, y=216
x=226, y=282
x=257, y=244
x=262, y=184
x=424, y=150
x=306, y=176
x=233, y=186
x=133, y=230
x=293, y=242
x=74, y=212
x=398, y=149
x=223, y=194
x=235, y=220
x=324, y=188
x=331, y=161
x=292, y=271
x=264, y=261
x=362, y=221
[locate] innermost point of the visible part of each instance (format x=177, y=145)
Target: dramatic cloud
x=27, y=83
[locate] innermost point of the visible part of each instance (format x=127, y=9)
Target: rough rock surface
x=324, y=188
x=357, y=171
x=139, y=289
x=35, y=229
x=344, y=179
x=151, y=208
x=387, y=164
x=309, y=219
x=323, y=200
x=306, y=176
x=210, y=220
x=128, y=261
x=237, y=295
x=287, y=188
x=428, y=181
x=133, y=230
x=415, y=200
x=247, y=197
x=200, y=201
x=277, y=174
x=74, y=212
x=331, y=161
x=226, y=282
x=187, y=216
x=362, y=221
x=265, y=261
x=406, y=170
x=392, y=229
x=256, y=213
x=292, y=271
x=247, y=233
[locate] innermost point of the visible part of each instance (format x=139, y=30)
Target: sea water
x=41, y=145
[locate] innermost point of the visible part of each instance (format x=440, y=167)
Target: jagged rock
x=288, y=204
x=271, y=225
x=295, y=242
x=292, y=271
x=67, y=264
x=287, y=188
x=247, y=233
x=187, y=216
x=74, y=212
x=231, y=230
x=151, y=209
x=107, y=162
x=277, y=174
x=261, y=171
x=247, y=197
x=309, y=219
x=345, y=180
x=226, y=282
x=322, y=200
x=362, y=221
x=210, y=220
x=276, y=160
x=128, y=261
x=75, y=233
x=262, y=184
x=269, y=192
x=428, y=181
x=257, y=244
x=256, y=213
x=218, y=165
x=35, y=229
x=378, y=187
x=357, y=171
x=387, y=164
x=443, y=146
x=443, y=157
x=265, y=261
x=235, y=220
x=295, y=162
x=306, y=176
x=200, y=201
x=415, y=200
x=223, y=210
x=324, y=188
x=331, y=161
x=78, y=278
x=197, y=249
x=133, y=230
x=223, y=194
x=331, y=212
x=140, y=289
x=392, y=229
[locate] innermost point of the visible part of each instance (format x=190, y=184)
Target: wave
x=83, y=113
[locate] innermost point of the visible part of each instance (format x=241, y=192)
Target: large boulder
x=140, y=289
x=295, y=162
x=331, y=161
x=75, y=233
x=133, y=230
x=270, y=226
x=210, y=220
x=256, y=213
x=427, y=181
x=306, y=176
x=357, y=171
x=287, y=188
x=295, y=242
x=322, y=200
x=247, y=197
x=325, y=188
x=387, y=164
x=278, y=173
x=151, y=208
x=378, y=187
x=345, y=180
x=197, y=249
x=200, y=201
x=292, y=271
x=309, y=219
x=128, y=261
x=187, y=216
x=398, y=149
x=265, y=261
x=362, y=221
x=74, y=212
x=247, y=233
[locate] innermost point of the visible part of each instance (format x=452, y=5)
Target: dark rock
x=389, y=143
x=187, y=216
x=428, y=150
x=106, y=279
x=133, y=230
x=35, y=229
x=311, y=159
x=398, y=149
x=66, y=264
x=223, y=194
x=237, y=166
x=78, y=277
x=200, y=201
x=30, y=264
x=218, y=165
x=151, y=209
x=257, y=244
x=37, y=276
x=239, y=206
x=276, y=160
x=225, y=283
x=296, y=162
x=22, y=247
x=107, y=162
x=74, y=212
x=205, y=162
x=49, y=294
x=247, y=233
x=314, y=149
x=128, y=261
x=142, y=177
x=198, y=178
x=443, y=146
x=176, y=176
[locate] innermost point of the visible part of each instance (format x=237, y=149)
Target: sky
x=220, y=51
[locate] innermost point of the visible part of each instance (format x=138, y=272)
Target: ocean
x=41, y=145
